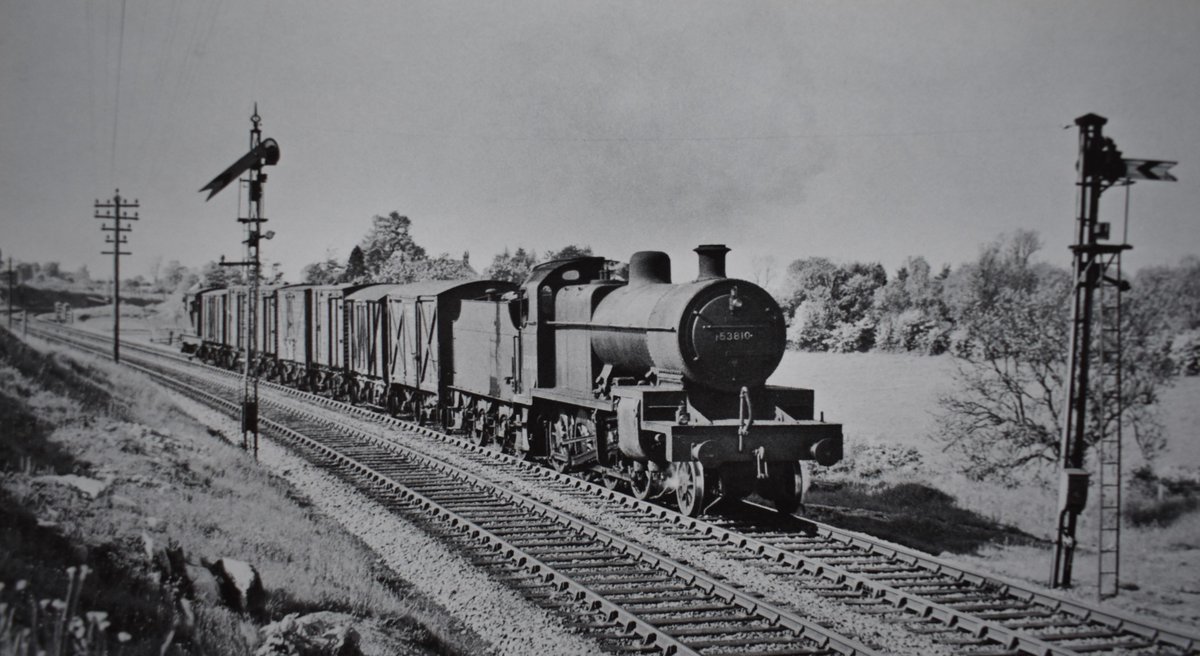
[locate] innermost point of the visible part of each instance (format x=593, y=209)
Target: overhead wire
x=149, y=154
x=89, y=61
x=112, y=165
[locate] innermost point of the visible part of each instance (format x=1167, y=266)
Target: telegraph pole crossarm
x=116, y=211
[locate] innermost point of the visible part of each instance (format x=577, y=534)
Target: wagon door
x=287, y=327
x=376, y=315
x=399, y=341
x=337, y=331
x=268, y=323
x=428, y=344
x=363, y=319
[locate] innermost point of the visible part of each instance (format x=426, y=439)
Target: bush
x=1152, y=500
x=852, y=337
x=1185, y=353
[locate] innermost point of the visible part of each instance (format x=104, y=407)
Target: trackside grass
x=164, y=481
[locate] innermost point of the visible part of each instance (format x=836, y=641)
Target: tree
x=763, y=268
x=356, y=267
x=1005, y=414
x=568, y=253
x=155, y=267
x=213, y=274
x=511, y=266
x=442, y=267
x=327, y=272
x=831, y=304
x=389, y=235
x=174, y=274
x=272, y=274
x=910, y=313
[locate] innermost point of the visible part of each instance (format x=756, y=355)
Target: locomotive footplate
x=719, y=442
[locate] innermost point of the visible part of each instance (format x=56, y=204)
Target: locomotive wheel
x=784, y=486
x=690, y=490
x=641, y=482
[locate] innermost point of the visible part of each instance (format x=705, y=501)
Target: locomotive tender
x=657, y=386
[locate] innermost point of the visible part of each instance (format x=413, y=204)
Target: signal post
x=263, y=152
x=1092, y=401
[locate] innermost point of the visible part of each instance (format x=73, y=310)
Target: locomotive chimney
x=649, y=267
x=712, y=261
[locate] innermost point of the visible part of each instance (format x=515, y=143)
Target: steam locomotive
x=656, y=386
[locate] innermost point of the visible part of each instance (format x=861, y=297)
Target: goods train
x=645, y=383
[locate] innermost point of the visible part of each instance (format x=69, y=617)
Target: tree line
x=857, y=307
x=1005, y=319
x=389, y=253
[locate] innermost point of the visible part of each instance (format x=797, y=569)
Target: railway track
x=965, y=612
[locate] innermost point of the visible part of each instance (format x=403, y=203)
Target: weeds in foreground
x=29, y=626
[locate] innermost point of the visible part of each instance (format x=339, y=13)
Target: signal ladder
x=1109, y=413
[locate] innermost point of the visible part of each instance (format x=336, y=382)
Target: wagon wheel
x=784, y=486
x=478, y=428
x=503, y=439
x=641, y=483
x=690, y=491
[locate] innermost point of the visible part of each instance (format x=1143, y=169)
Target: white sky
x=853, y=130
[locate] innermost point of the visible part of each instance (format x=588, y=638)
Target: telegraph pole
x=10, y=293
x=262, y=153
x=117, y=213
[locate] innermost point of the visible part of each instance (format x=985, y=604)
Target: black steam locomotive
x=646, y=383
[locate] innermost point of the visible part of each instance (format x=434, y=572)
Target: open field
x=913, y=494
x=891, y=398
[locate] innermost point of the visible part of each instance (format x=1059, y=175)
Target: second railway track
x=632, y=599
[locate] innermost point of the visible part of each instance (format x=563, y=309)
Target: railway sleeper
x=594, y=560
x=699, y=619
x=1112, y=646
x=629, y=590
x=632, y=648
x=963, y=641
x=568, y=566
x=803, y=651
x=619, y=579
x=566, y=558
x=684, y=608
x=1079, y=635
x=752, y=631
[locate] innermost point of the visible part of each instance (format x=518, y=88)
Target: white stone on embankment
x=90, y=487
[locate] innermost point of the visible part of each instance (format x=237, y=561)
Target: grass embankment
x=165, y=481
